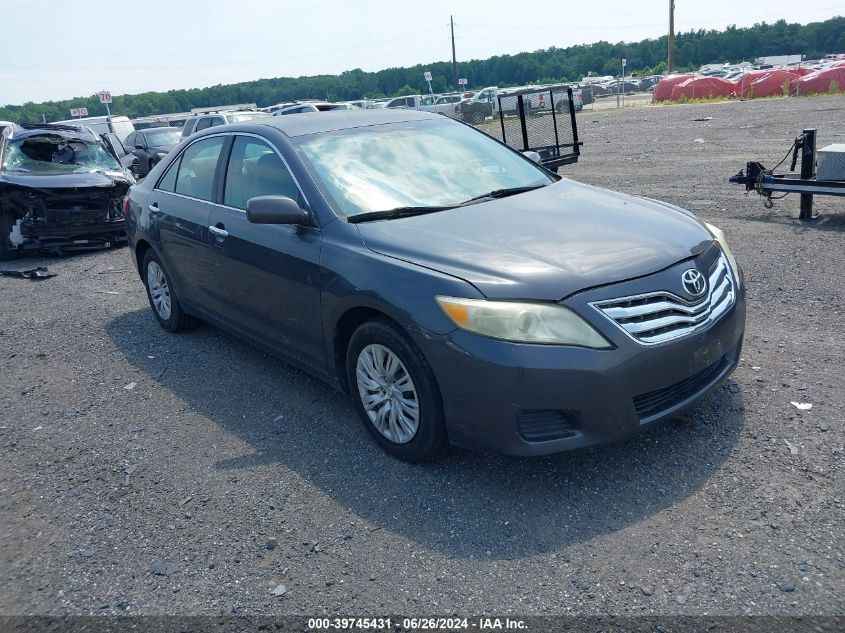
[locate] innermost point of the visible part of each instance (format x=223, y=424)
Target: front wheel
x=477, y=118
x=395, y=392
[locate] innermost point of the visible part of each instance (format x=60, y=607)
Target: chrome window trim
x=178, y=157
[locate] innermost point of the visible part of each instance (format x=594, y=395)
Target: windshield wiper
x=389, y=214
x=502, y=193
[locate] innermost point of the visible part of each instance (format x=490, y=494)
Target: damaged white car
x=61, y=190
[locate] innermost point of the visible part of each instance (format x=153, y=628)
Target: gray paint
x=286, y=288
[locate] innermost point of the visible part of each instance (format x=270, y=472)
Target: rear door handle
x=218, y=230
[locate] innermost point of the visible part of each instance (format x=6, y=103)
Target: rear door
x=268, y=276
x=180, y=207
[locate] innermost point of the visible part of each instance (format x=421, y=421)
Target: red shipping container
x=663, y=89
x=827, y=80
x=704, y=88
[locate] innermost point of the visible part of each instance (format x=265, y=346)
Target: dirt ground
x=149, y=473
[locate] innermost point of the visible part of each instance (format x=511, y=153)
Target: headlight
x=521, y=322
x=719, y=236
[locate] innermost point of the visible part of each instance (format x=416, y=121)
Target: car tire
x=411, y=380
x=162, y=296
x=8, y=251
x=477, y=118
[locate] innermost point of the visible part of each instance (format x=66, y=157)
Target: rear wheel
x=166, y=308
x=395, y=392
x=8, y=251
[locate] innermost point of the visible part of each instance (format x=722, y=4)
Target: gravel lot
x=144, y=472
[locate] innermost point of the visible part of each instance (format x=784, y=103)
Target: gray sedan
x=455, y=289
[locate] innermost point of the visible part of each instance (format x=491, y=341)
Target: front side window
x=196, y=170
x=218, y=120
x=255, y=169
x=412, y=164
x=203, y=123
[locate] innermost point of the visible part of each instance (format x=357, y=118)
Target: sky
x=71, y=48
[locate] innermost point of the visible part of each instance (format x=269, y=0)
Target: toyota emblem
x=694, y=282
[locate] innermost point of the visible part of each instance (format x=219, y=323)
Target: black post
x=520, y=109
x=554, y=122
x=808, y=170
x=502, y=121
x=575, y=146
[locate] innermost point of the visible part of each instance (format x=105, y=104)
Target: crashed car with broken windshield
x=61, y=190
x=457, y=290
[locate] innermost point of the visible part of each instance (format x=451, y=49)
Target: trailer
x=825, y=177
x=551, y=132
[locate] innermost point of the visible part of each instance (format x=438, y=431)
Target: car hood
x=544, y=244
x=45, y=180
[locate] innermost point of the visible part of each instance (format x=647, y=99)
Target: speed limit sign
x=105, y=96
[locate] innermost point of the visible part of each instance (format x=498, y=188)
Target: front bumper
x=72, y=236
x=538, y=399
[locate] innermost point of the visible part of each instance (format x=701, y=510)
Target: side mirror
x=275, y=210
x=533, y=156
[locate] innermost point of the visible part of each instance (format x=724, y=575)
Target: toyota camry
x=455, y=289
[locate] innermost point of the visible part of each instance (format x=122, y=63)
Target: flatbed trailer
x=766, y=183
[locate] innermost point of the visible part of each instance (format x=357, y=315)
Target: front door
x=268, y=281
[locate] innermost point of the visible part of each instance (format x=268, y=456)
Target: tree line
x=693, y=49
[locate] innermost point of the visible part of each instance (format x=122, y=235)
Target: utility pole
x=454, y=61
x=670, y=63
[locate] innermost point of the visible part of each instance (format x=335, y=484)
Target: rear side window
x=189, y=127
x=130, y=140
x=196, y=170
x=168, y=181
x=256, y=170
x=217, y=121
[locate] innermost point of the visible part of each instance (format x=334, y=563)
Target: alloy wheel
x=159, y=290
x=388, y=393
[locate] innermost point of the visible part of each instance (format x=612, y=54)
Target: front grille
x=658, y=317
x=544, y=425
x=654, y=402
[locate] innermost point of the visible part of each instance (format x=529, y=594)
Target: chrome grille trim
x=657, y=317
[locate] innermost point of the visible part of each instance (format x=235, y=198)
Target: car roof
x=161, y=127
x=335, y=120
x=37, y=129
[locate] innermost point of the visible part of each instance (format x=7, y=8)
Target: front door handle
x=153, y=207
x=218, y=230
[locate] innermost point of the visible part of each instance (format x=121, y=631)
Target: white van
x=120, y=125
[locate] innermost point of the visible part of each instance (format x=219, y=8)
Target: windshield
x=239, y=118
x=412, y=164
x=53, y=153
x=163, y=137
